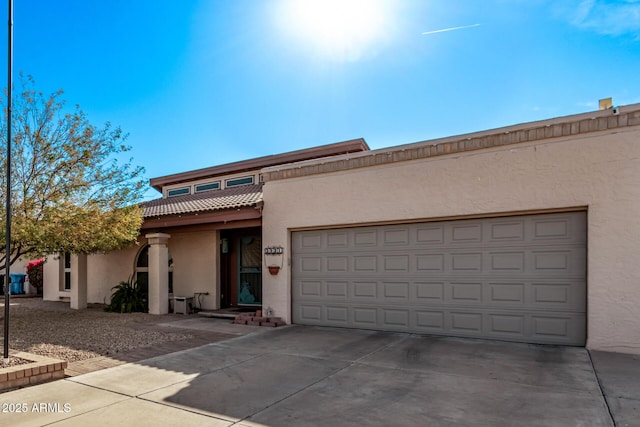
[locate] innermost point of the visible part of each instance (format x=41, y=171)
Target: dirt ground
x=51, y=328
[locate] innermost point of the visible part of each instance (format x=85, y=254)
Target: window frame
x=229, y=183
x=182, y=191
x=217, y=184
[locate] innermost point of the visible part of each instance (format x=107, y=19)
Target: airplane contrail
x=450, y=29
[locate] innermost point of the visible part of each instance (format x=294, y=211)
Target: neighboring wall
x=104, y=271
x=599, y=170
x=20, y=266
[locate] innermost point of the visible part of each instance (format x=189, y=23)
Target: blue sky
x=198, y=83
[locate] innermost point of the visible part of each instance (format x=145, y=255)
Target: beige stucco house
x=527, y=233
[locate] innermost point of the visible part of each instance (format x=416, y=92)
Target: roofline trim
x=322, y=151
x=597, y=121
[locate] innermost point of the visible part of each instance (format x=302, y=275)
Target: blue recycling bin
x=17, y=283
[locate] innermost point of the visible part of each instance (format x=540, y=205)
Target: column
x=158, y=273
x=78, y=281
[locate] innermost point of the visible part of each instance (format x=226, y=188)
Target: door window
x=250, y=271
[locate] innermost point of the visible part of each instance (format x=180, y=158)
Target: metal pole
x=7, y=261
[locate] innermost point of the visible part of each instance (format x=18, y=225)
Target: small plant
x=128, y=297
x=34, y=271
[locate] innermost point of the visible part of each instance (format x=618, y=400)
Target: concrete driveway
x=310, y=376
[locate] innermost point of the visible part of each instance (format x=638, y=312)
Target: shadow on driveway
x=309, y=376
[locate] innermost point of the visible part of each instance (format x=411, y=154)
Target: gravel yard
x=50, y=328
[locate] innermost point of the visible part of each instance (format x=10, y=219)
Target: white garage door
x=510, y=278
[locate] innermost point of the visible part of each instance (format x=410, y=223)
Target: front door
x=250, y=271
x=241, y=267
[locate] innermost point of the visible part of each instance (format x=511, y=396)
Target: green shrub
x=129, y=297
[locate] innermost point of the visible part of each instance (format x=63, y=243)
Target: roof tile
x=229, y=198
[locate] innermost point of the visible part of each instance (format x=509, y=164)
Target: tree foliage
x=70, y=193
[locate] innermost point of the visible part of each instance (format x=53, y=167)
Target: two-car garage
x=517, y=278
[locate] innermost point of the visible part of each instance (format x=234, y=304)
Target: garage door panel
x=566, y=296
x=465, y=293
x=466, y=263
x=513, y=278
x=501, y=231
x=335, y=289
x=310, y=264
x=466, y=322
x=339, y=263
x=396, y=318
x=564, y=261
x=365, y=264
x=547, y=229
x=549, y=328
x=426, y=235
x=337, y=314
x=429, y=263
x=512, y=325
x=309, y=313
x=467, y=232
x=337, y=239
x=310, y=241
x=395, y=263
x=365, y=290
x=568, y=261
x=430, y=321
x=429, y=291
x=394, y=292
x=506, y=294
x=365, y=238
x=396, y=236
x=365, y=317
x=508, y=262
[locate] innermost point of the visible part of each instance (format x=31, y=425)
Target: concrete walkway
x=309, y=376
x=202, y=331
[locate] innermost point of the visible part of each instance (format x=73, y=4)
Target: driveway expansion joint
x=602, y=392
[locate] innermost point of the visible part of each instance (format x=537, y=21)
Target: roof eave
x=345, y=147
x=206, y=217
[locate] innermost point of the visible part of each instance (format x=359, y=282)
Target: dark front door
x=241, y=267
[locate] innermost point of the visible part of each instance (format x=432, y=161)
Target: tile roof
x=214, y=200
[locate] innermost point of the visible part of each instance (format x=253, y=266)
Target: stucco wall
x=104, y=271
x=195, y=259
x=195, y=266
x=599, y=170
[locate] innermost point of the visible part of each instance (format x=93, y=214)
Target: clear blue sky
x=198, y=83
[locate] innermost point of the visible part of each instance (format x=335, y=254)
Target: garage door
x=510, y=278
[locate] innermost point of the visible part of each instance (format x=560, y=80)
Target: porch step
x=217, y=314
x=251, y=319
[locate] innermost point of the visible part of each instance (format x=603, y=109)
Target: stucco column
x=158, y=273
x=78, y=281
